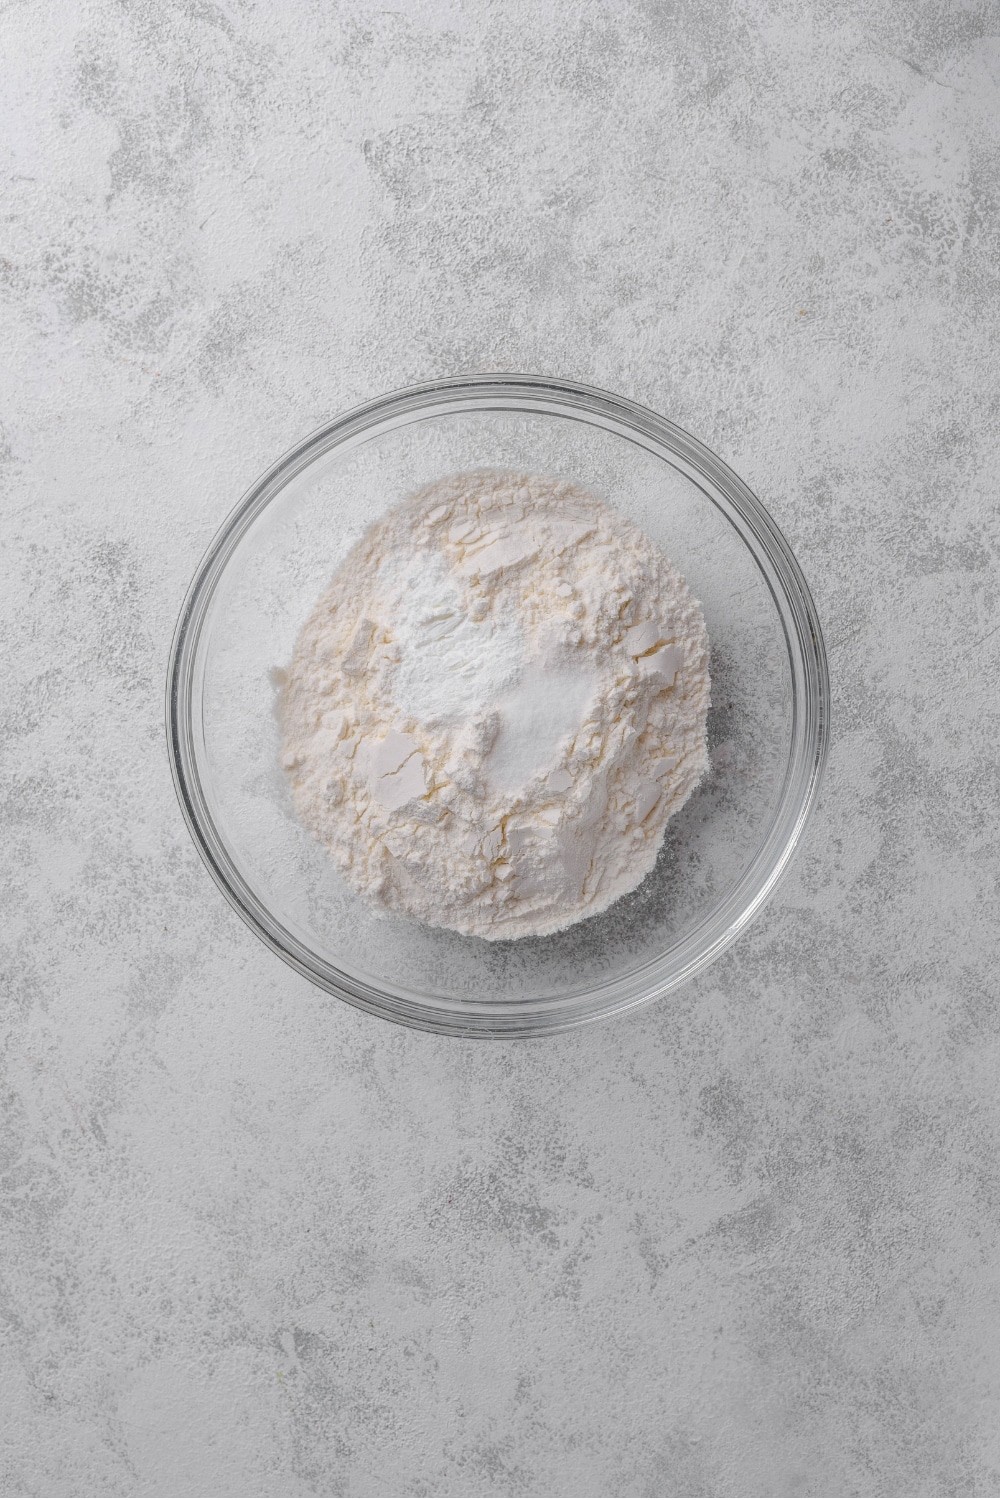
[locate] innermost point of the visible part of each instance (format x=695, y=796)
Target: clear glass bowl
x=723, y=853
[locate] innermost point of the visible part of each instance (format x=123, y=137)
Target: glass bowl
x=723, y=852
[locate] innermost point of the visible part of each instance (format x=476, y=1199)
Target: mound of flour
x=497, y=705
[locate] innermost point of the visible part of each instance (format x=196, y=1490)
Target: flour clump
x=497, y=705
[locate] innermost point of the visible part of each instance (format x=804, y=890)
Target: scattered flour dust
x=497, y=705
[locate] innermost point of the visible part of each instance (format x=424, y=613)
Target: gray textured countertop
x=254, y=1242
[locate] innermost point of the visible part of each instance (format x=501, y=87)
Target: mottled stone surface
x=257, y=1243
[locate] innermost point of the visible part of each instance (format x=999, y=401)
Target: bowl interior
x=280, y=552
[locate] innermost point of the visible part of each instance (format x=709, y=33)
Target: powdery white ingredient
x=497, y=705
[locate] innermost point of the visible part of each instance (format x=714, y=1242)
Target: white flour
x=497, y=705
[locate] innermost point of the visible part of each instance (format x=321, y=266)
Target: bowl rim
x=810, y=690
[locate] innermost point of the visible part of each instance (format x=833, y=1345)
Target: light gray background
x=745, y=1242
